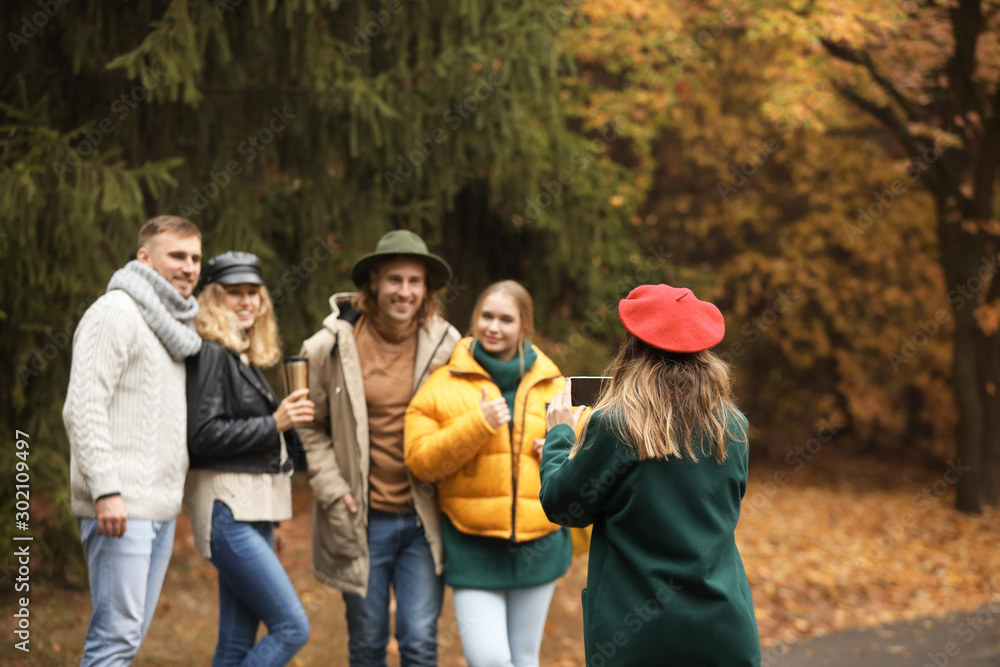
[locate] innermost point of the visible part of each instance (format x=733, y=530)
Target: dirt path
x=954, y=640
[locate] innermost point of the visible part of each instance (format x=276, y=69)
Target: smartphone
x=586, y=390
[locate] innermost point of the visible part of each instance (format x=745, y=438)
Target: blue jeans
x=126, y=575
x=253, y=587
x=400, y=557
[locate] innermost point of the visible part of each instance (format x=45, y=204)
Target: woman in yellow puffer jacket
x=475, y=429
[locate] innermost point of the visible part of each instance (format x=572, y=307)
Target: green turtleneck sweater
x=490, y=563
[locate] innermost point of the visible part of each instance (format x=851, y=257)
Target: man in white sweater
x=126, y=418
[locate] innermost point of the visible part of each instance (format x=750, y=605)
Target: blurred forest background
x=826, y=172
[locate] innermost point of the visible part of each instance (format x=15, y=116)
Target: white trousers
x=502, y=628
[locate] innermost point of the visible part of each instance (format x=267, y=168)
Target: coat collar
x=256, y=378
x=431, y=335
x=337, y=301
x=462, y=362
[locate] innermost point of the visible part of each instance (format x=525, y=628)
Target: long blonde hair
x=217, y=323
x=663, y=403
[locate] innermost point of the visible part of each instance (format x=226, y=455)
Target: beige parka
x=337, y=446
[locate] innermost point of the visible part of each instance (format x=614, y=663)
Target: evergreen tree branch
x=176, y=45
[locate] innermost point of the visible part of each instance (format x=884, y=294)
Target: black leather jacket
x=229, y=424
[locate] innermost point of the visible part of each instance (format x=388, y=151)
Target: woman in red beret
x=660, y=470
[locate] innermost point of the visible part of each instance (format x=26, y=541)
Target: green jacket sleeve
x=574, y=490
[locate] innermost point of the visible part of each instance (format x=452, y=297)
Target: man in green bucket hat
x=375, y=526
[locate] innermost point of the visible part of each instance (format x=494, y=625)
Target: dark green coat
x=666, y=584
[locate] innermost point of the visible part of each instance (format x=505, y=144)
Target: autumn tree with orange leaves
x=838, y=149
x=929, y=72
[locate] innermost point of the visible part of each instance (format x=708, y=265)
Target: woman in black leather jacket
x=243, y=451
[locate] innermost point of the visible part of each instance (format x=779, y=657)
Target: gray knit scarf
x=168, y=314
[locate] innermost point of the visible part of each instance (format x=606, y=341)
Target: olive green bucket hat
x=402, y=242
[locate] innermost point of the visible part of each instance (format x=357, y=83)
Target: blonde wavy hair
x=663, y=403
x=217, y=323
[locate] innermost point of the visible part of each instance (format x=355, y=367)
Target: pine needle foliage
x=299, y=130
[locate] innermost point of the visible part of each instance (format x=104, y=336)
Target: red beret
x=671, y=318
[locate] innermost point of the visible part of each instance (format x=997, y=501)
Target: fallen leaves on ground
x=840, y=543
x=860, y=543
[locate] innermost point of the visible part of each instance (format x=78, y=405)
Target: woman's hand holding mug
x=294, y=409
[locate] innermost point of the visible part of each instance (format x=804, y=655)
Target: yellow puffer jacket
x=480, y=470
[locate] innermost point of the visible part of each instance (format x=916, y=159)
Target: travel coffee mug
x=296, y=374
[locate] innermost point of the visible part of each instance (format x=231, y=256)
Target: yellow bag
x=581, y=539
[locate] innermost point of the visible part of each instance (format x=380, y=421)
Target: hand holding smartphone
x=585, y=390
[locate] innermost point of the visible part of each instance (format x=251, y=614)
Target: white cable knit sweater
x=125, y=414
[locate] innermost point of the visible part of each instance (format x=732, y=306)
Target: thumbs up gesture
x=496, y=411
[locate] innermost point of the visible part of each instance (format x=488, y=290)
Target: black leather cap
x=232, y=268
